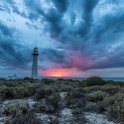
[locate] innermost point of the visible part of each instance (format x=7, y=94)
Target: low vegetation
x=94, y=81
x=48, y=81
x=97, y=96
x=93, y=94
x=23, y=119
x=115, y=106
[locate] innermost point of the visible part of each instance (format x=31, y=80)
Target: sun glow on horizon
x=58, y=72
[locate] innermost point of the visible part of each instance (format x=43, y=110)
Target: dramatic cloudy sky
x=74, y=37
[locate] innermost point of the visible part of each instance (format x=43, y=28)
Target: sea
x=116, y=79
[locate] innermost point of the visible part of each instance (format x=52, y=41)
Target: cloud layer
x=82, y=35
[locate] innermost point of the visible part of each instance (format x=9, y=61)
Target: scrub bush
x=94, y=81
x=115, y=106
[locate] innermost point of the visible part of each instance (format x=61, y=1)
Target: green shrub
x=48, y=81
x=115, y=106
x=48, y=101
x=61, y=79
x=117, y=110
x=43, y=93
x=22, y=92
x=19, y=92
x=97, y=96
x=24, y=119
x=111, y=89
x=94, y=81
x=3, y=92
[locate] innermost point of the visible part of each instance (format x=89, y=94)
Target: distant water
x=119, y=79
x=115, y=79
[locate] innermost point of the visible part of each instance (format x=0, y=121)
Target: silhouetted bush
x=31, y=80
x=2, y=79
x=94, y=81
x=28, y=78
x=61, y=79
x=48, y=81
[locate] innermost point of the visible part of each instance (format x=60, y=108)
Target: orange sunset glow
x=58, y=72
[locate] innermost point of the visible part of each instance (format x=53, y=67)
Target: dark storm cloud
x=92, y=39
x=61, y=5
x=112, y=25
x=54, y=26
x=4, y=30
x=11, y=52
x=72, y=17
x=55, y=20
x=53, y=17
x=79, y=31
x=34, y=9
x=54, y=55
x=87, y=17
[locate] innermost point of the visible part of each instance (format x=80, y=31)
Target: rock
x=66, y=116
x=1, y=120
x=31, y=103
x=93, y=118
x=62, y=95
x=46, y=118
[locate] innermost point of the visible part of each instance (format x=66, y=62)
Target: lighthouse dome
x=35, y=49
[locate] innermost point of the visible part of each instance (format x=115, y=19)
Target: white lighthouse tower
x=35, y=64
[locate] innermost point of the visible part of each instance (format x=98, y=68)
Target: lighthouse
x=35, y=64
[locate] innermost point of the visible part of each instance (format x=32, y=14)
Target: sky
x=75, y=38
